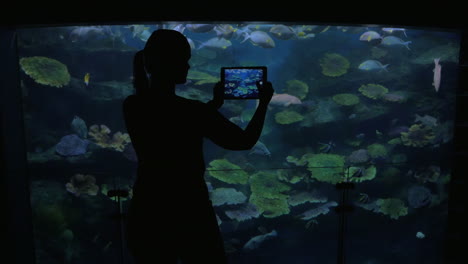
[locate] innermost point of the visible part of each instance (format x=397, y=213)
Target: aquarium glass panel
x=353, y=160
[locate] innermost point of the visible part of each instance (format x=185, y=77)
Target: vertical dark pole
x=15, y=192
x=456, y=236
x=342, y=209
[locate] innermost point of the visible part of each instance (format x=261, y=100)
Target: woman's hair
x=163, y=49
x=140, y=78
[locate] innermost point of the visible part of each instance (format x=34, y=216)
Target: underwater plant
x=288, y=117
x=100, y=134
x=417, y=136
x=267, y=185
x=227, y=172
x=45, y=70
x=334, y=65
x=82, y=184
x=372, y=90
x=392, y=207
x=290, y=176
x=297, y=88
x=346, y=99
x=270, y=208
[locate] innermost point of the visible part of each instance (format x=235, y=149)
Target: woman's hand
x=218, y=96
x=265, y=92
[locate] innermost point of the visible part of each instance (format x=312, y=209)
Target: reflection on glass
x=373, y=106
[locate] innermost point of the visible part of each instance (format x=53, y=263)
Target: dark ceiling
x=393, y=13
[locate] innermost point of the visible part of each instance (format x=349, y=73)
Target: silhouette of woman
x=171, y=217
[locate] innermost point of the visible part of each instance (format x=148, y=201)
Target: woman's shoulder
x=130, y=101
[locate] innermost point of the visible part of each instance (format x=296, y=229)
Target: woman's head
x=166, y=55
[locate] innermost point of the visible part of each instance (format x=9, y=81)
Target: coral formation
x=363, y=174
x=288, y=117
x=373, y=91
x=326, y=167
x=82, y=184
x=419, y=196
x=71, y=145
x=417, y=136
x=49, y=219
x=325, y=111
x=100, y=134
x=346, y=99
x=297, y=88
x=290, y=176
x=358, y=156
x=270, y=208
x=428, y=174
x=267, y=185
x=334, y=65
x=377, y=151
x=228, y=172
x=221, y=196
x=46, y=71
x=392, y=207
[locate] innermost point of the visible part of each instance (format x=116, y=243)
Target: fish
x=260, y=149
x=326, y=147
x=261, y=27
x=256, y=241
x=437, y=74
x=177, y=27
x=284, y=99
x=370, y=65
x=216, y=44
x=84, y=33
x=259, y=38
x=391, y=30
x=426, y=120
x=358, y=173
x=369, y=35
x=144, y=36
x=191, y=43
x=86, y=79
x=224, y=31
x=363, y=198
x=200, y=28
x=282, y=32
x=392, y=41
x=303, y=35
x=137, y=30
